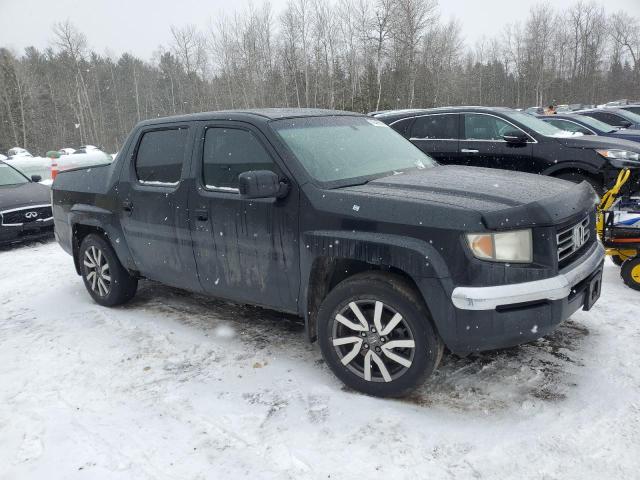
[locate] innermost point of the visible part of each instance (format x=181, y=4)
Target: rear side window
x=444, y=127
x=228, y=152
x=609, y=118
x=160, y=156
x=484, y=127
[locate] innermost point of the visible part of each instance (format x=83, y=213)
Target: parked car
x=18, y=152
x=335, y=217
x=25, y=206
x=590, y=126
x=510, y=140
x=615, y=117
x=633, y=108
x=530, y=111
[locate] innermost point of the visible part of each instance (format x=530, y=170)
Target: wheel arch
x=329, y=257
x=87, y=219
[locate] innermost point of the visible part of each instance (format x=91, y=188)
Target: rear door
x=482, y=145
x=246, y=249
x=437, y=136
x=153, y=194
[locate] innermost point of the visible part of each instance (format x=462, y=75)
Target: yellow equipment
x=622, y=243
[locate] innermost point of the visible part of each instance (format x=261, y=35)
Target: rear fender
x=84, y=216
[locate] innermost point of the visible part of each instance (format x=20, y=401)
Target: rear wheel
x=630, y=272
x=376, y=336
x=577, y=177
x=106, y=280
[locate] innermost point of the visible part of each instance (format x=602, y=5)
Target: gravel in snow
x=180, y=386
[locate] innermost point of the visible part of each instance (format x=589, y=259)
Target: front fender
x=418, y=259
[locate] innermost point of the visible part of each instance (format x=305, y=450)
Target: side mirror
x=625, y=124
x=261, y=184
x=515, y=137
x=36, y=178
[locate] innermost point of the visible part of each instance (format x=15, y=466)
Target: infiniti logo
x=31, y=214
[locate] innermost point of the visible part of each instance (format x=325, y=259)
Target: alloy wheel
x=373, y=341
x=98, y=274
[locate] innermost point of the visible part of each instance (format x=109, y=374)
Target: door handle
x=127, y=207
x=468, y=150
x=202, y=215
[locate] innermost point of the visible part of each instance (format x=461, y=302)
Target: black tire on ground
x=630, y=272
x=106, y=280
x=352, y=360
x=577, y=177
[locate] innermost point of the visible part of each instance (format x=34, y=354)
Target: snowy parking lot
x=180, y=386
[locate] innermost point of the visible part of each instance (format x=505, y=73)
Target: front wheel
x=630, y=272
x=106, y=280
x=577, y=177
x=376, y=336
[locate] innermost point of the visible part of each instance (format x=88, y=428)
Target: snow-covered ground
x=179, y=386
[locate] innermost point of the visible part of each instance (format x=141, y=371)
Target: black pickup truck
x=333, y=216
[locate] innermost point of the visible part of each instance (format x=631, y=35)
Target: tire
x=576, y=177
x=630, y=272
x=109, y=283
x=357, y=360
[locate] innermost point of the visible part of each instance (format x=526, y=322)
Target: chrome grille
x=19, y=216
x=572, y=239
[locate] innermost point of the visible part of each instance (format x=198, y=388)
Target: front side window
x=160, y=156
x=345, y=150
x=443, y=127
x=609, y=118
x=228, y=152
x=484, y=127
x=9, y=176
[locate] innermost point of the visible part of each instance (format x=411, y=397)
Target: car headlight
x=516, y=246
x=621, y=158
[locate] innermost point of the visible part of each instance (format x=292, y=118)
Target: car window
x=443, y=127
x=9, y=176
x=569, y=126
x=402, y=126
x=606, y=117
x=160, y=156
x=484, y=127
x=228, y=152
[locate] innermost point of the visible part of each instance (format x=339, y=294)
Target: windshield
x=597, y=124
x=342, y=148
x=537, y=125
x=9, y=176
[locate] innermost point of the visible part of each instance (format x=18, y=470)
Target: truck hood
x=24, y=195
x=594, y=142
x=504, y=199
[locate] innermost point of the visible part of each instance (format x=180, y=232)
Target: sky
x=140, y=26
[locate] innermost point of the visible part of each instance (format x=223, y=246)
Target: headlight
x=621, y=158
x=513, y=246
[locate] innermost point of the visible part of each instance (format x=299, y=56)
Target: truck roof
x=264, y=114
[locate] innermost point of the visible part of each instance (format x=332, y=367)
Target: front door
x=482, y=143
x=246, y=249
x=153, y=192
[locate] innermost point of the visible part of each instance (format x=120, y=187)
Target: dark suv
x=511, y=140
x=335, y=217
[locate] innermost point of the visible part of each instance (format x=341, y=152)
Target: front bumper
x=486, y=318
x=555, y=288
x=15, y=234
